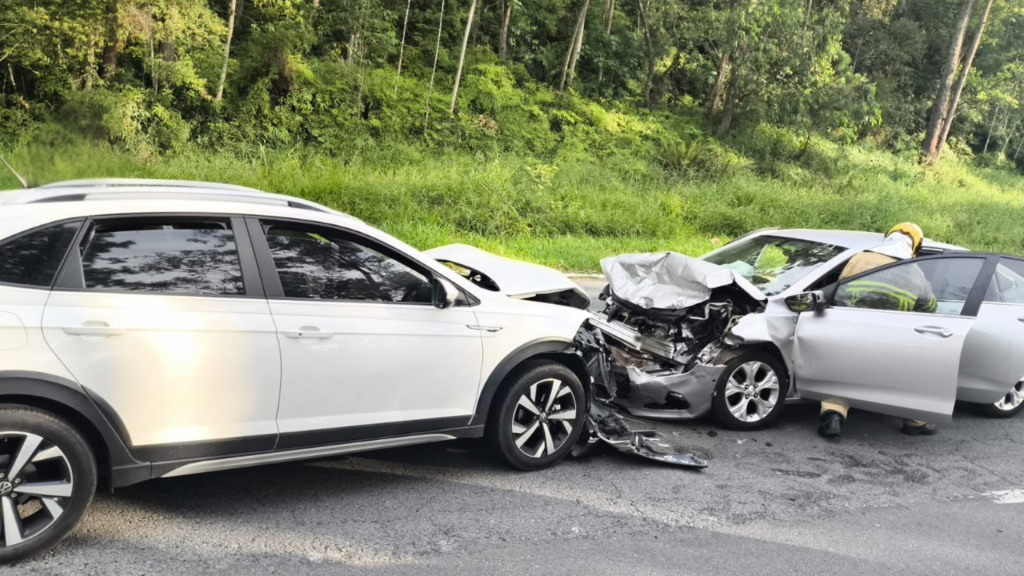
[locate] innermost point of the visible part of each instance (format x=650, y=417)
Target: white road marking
x=1006, y=496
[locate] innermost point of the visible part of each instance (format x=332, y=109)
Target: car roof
x=849, y=239
x=80, y=198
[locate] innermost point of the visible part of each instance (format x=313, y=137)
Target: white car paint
x=515, y=278
x=178, y=369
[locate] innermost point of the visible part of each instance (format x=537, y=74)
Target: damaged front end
x=659, y=347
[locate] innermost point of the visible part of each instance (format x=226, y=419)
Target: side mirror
x=807, y=302
x=443, y=294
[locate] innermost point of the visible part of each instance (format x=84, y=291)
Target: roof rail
x=114, y=182
x=81, y=190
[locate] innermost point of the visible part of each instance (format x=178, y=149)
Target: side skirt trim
x=302, y=454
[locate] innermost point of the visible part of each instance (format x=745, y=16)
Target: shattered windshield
x=772, y=263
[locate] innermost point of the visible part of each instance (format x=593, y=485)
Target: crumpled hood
x=669, y=280
x=514, y=278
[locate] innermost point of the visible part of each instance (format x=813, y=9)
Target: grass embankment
x=571, y=212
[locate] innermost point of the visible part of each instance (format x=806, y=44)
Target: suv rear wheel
x=538, y=416
x=47, y=480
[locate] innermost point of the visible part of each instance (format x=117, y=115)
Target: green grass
x=587, y=208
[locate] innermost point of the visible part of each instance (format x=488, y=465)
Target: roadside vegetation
x=562, y=147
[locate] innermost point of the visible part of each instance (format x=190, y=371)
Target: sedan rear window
x=773, y=263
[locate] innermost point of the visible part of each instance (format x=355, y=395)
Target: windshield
x=772, y=263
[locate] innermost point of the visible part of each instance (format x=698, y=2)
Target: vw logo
x=5, y=488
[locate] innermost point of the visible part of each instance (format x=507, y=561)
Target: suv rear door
x=898, y=362
x=163, y=319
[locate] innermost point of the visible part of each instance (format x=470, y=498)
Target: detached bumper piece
x=605, y=426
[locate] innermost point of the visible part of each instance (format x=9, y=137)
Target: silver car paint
x=992, y=361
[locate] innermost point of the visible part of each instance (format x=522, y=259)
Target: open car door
x=992, y=362
x=890, y=339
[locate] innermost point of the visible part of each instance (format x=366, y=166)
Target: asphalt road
x=781, y=501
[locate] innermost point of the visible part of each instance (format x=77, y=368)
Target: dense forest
x=553, y=114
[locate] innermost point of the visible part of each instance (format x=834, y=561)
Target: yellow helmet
x=910, y=229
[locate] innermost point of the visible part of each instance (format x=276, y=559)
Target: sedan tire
x=751, y=392
x=1011, y=404
x=49, y=479
x=538, y=416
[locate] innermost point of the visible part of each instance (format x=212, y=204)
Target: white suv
x=159, y=328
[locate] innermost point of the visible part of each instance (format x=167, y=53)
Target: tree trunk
x=728, y=108
x=579, y=42
x=506, y=16
x=568, y=54
x=719, y=89
x=316, y=8
x=401, y=49
x=152, y=66
x=1009, y=136
x=991, y=128
x=961, y=81
x=1019, y=144
x=609, y=13
x=167, y=51
x=227, y=49
x=437, y=49
x=462, y=56
x=941, y=105
x=569, y=66
x=649, y=81
x=108, y=61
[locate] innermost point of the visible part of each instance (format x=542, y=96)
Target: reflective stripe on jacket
x=903, y=288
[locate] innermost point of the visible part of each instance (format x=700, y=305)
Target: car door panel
x=993, y=356
x=179, y=369
x=380, y=363
x=174, y=368
x=355, y=353
x=880, y=361
x=886, y=346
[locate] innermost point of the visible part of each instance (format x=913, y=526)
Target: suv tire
x=53, y=480
x=538, y=415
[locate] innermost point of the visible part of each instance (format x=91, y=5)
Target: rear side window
x=1007, y=283
x=172, y=257
x=33, y=259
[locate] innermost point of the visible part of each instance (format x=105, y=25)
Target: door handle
x=93, y=328
x=308, y=332
x=937, y=330
x=1020, y=319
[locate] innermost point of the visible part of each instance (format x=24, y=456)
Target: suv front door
x=903, y=361
x=163, y=319
x=365, y=353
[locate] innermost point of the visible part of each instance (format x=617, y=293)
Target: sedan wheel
x=1007, y=406
x=751, y=391
x=1013, y=399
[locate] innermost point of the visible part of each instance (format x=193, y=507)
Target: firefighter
x=901, y=288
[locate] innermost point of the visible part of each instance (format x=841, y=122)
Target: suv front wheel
x=47, y=480
x=538, y=416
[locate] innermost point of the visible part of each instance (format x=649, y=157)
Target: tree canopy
x=156, y=74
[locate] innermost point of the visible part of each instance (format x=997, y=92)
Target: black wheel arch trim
x=560, y=351
x=87, y=411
